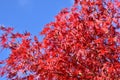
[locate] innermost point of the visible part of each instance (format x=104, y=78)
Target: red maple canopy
x=83, y=43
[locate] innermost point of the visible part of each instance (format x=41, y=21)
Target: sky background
x=29, y=15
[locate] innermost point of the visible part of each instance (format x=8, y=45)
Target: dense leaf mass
x=83, y=43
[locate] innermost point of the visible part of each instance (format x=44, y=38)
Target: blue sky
x=29, y=15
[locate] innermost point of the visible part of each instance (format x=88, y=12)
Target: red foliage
x=83, y=43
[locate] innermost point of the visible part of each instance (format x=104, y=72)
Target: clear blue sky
x=30, y=15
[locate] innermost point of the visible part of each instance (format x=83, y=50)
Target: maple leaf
x=3, y=39
x=83, y=43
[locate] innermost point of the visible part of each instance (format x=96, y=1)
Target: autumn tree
x=83, y=43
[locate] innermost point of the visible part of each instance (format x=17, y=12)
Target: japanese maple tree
x=83, y=43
